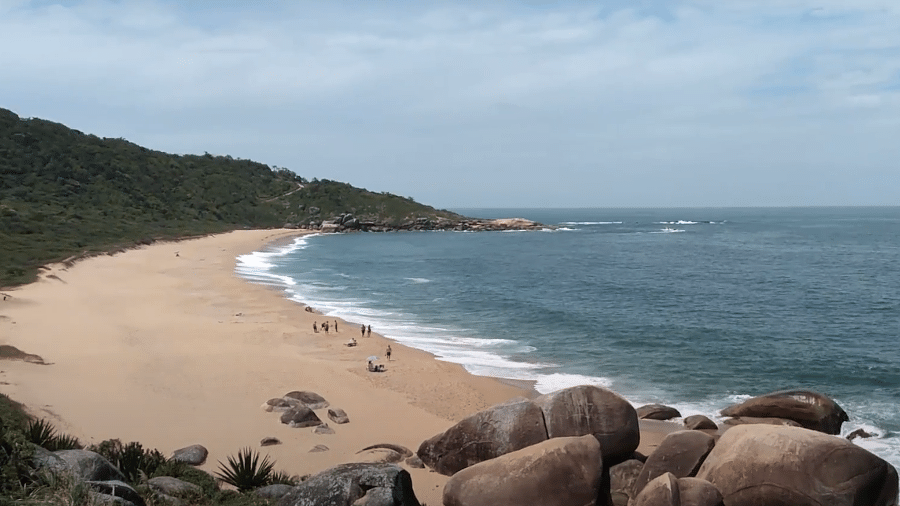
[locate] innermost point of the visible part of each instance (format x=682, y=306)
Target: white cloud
x=626, y=102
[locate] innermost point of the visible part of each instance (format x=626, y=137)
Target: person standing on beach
x=370, y=331
x=363, y=329
x=325, y=326
x=388, y=352
x=335, y=325
x=315, y=329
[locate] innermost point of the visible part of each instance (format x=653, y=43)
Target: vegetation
x=65, y=194
x=42, y=433
x=245, y=472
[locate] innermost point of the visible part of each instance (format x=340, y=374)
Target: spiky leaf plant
x=245, y=472
x=283, y=478
x=40, y=432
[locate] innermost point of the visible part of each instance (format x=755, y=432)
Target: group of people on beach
x=325, y=326
x=363, y=330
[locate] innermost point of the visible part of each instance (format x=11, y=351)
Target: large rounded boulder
x=781, y=465
x=680, y=453
x=811, y=410
x=485, y=435
x=587, y=409
x=563, y=471
x=300, y=416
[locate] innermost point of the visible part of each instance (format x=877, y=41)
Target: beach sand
x=165, y=345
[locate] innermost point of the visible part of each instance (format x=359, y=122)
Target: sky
x=529, y=103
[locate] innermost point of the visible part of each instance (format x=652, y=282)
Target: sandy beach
x=166, y=346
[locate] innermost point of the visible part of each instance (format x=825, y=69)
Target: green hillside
x=64, y=193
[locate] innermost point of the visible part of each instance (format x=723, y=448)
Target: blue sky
x=489, y=104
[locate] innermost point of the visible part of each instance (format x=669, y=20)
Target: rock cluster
x=577, y=446
x=349, y=223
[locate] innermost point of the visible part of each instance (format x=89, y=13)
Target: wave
x=591, y=223
x=667, y=230
x=418, y=280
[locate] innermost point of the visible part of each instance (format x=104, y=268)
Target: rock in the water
x=309, y=399
x=345, y=484
x=173, y=486
x=194, y=455
x=269, y=441
x=562, y=471
x=811, y=410
x=858, y=433
x=415, y=462
x=300, y=416
x=661, y=491
x=117, y=488
x=275, y=491
x=402, y=450
x=89, y=466
x=657, y=412
x=338, y=415
x=699, y=422
x=485, y=435
x=323, y=429
x=318, y=448
x=587, y=409
x=621, y=480
x=679, y=454
x=378, y=456
x=771, y=464
x=697, y=492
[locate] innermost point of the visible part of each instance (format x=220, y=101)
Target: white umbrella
x=372, y=358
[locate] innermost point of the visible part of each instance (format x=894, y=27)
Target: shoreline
x=166, y=345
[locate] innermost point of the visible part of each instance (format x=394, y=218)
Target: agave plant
x=246, y=472
x=283, y=478
x=40, y=432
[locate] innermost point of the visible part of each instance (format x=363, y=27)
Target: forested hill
x=64, y=193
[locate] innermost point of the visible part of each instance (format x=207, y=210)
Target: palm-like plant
x=246, y=472
x=40, y=432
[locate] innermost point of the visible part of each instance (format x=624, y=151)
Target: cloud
x=510, y=103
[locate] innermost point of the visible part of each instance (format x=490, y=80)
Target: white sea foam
x=547, y=383
x=418, y=280
x=591, y=223
x=679, y=222
x=667, y=231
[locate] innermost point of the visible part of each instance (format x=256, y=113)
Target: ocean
x=692, y=308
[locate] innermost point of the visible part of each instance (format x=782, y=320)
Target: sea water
x=693, y=308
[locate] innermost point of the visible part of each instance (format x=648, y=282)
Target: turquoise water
x=694, y=308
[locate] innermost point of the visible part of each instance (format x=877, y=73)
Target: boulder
x=43, y=459
x=747, y=420
x=697, y=492
x=378, y=456
x=679, y=454
x=309, y=399
x=488, y=434
x=415, y=462
x=657, y=412
x=323, y=429
x=587, y=409
x=117, y=488
x=338, y=416
x=378, y=496
x=345, y=484
x=173, y=486
x=661, y=491
x=318, y=448
x=858, y=433
x=621, y=480
x=274, y=491
x=811, y=410
x=98, y=499
x=563, y=471
x=279, y=404
x=699, y=422
x=300, y=416
x=89, y=466
x=269, y=441
x=780, y=465
x=402, y=450
x=194, y=455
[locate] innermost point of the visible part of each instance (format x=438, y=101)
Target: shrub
x=246, y=472
x=43, y=434
x=283, y=478
x=131, y=459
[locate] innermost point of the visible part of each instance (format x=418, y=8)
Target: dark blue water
x=696, y=308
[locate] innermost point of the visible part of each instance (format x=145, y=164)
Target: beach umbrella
x=372, y=358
